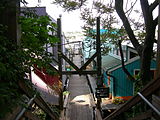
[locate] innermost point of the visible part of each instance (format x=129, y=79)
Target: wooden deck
x=79, y=102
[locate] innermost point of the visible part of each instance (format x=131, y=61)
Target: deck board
x=79, y=105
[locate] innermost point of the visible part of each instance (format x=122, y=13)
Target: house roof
x=40, y=11
x=126, y=63
x=109, y=61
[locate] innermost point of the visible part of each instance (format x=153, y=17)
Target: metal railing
x=24, y=109
x=38, y=100
x=148, y=90
x=146, y=101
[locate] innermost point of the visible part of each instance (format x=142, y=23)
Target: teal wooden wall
x=105, y=79
x=121, y=84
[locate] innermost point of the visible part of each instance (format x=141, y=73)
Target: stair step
x=156, y=101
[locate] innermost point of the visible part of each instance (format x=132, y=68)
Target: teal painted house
x=115, y=78
x=89, y=46
x=113, y=75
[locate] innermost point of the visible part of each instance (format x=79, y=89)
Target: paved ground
x=79, y=105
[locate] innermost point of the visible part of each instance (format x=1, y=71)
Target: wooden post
x=9, y=17
x=98, y=50
x=158, y=50
x=158, y=46
x=59, y=34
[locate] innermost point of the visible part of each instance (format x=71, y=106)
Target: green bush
x=118, y=101
x=17, y=60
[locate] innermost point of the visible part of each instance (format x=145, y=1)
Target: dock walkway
x=80, y=99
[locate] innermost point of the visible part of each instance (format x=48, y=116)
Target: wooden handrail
x=38, y=100
x=24, y=109
x=70, y=62
x=89, y=61
x=77, y=72
x=150, y=88
x=149, y=104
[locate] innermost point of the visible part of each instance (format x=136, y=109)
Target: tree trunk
x=145, y=51
x=146, y=61
x=148, y=43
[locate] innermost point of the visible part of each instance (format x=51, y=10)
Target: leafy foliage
x=140, y=29
x=35, y=36
x=118, y=101
x=109, y=21
x=18, y=59
x=138, y=84
x=110, y=34
x=70, y=5
x=11, y=71
x=42, y=115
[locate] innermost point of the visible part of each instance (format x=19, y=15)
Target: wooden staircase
x=149, y=96
x=26, y=112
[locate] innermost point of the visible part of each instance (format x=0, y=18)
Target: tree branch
x=122, y=60
x=153, y=5
x=155, y=21
x=131, y=8
x=147, y=14
x=120, y=11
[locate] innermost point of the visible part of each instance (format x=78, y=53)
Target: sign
x=102, y=92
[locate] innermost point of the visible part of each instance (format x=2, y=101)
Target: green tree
x=144, y=49
x=35, y=35
x=17, y=59
x=140, y=33
x=109, y=33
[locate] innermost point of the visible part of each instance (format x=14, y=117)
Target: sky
x=70, y=21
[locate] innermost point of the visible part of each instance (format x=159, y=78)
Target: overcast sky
x=70, y=21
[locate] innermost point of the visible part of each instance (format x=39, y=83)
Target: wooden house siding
x=123, y=86
x=120, y=85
